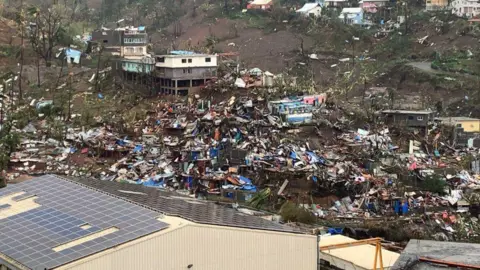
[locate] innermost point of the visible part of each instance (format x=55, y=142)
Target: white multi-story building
x=466, y=8
x=181, y=72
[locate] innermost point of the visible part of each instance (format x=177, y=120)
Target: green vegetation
x=434, y=184
x=290, y=212
x=8, y=51
x=459, y=61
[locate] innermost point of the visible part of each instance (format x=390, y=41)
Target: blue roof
x=182, y=52
x=29, y=237
x=72, y=53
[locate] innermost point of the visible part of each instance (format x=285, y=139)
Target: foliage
x=292, y=213
x=260, y=199
x=50, y=30
x=8, y=50
x=434, y=183
x=9, y=142
x=456, y=62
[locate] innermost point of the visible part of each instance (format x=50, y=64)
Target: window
x=140, y=50
x=419, y=118
x=184, y=70
x=189, y=60
x=161, y=59
x=184, y=61
x=208, y=59
x=410, y=117
x=105, y=41
x=189, y=70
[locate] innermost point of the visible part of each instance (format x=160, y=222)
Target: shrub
x=291, y=212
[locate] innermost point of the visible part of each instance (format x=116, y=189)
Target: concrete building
x=123, y=42
x=467, y=123
x=432, y=5
x=433, y=255
x=182, y=72
x=352, y=15
x=466, y=8
x=56, y=223
x=311, y=9
x=260, y=4
x=337, y=3
x=411, y=119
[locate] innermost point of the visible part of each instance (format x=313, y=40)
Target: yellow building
x=54, y=223
x=436, y=4
x=468, y=124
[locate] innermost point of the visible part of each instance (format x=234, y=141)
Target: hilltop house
x=466, y=8
x=311, y=9
x=260, y=4
x=125, y=41
x=336, y=3
x=181, y=72
x=433, y=5
x=352, y=15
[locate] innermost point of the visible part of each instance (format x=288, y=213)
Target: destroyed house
x=51, y=222
x=184, y=72
x=414, y=119
x=128, y=41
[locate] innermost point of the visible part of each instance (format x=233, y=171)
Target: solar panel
x=30, y=237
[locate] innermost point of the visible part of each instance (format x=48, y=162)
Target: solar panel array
x=175, y=205
x=30, y=237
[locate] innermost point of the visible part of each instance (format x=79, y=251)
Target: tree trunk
x=38, y=71
x=54, y=90
x=22, y=49
x=98, y=68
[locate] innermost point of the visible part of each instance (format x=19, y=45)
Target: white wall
x=175, y=61
x=208, y=247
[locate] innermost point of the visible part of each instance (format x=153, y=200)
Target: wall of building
x=409, y=120
x=133, y=50
x=208, y=247
x=186, y=61
x=108, y=37
x=470, y=125
x=436, y=4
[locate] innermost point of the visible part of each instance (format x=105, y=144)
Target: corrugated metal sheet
x=208, y=247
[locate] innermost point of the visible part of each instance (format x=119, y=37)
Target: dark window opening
x=208, y=59
x=161, y=59
x=189, y=60
x=410, y=117
x=105, y=41
x=184, y=61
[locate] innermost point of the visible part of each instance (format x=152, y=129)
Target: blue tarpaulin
x=244, y=180
x=151, y=183
x=213, y=152
x=182, y=52
x=121, y=142
x=315, y=159
x=334, y=231
x=138, y=148
x=249, y=188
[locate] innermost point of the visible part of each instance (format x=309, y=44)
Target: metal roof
x=55, y=217
x=174, y=204
x=406, y=112
x=465, y=253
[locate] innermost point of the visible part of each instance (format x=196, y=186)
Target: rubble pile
x=240, y=149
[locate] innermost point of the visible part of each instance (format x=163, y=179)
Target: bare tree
x=49, y=30
x=22, y=48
